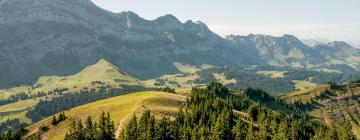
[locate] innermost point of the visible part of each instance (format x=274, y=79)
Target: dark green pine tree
x=106, y=127
x=62, y=116
x=263, y=131
x=273, y=128
x=331, y=134
x=132, y=129
x=79, y=133
x=250, y=133
x=143, y=125
x=177, y=125
x=102, y=125
x=240, y=130
x=346, y=131
x=223, y=126
x=294, y=130
x=163, y=129
x=90, y=129
x=282, y=132
x=151, y=132
x=110, y=128
x=54, y=121
x=71, y=135
x=253, y=112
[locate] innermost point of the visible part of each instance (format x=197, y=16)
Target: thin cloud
x=329, y=31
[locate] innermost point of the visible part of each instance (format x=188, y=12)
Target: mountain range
x=61, y=37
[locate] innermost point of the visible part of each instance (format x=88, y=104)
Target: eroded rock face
x=60, y=37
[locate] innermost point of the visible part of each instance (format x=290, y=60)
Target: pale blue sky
x=331, y=19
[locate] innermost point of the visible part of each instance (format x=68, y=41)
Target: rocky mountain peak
x=339, y=44
x=168, y=19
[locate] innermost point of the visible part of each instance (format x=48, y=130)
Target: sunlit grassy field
x=120, y=108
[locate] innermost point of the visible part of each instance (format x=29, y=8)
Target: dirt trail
x=118, y=129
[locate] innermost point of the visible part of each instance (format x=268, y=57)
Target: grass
x=301, y=85
x=101, y=71
x=18, y=106
x=19, y=109
x=185, y=79
x=220, y=77
x=21, y=115
x=272, y=74
x=185, y=68
x=120, y=108
x=305, y=95
x=339, y=104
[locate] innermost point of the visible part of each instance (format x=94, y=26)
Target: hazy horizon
x=305, y=19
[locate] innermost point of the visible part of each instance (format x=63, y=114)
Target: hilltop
x=330, y=103
x=101, y=73
x=206, y=112
x=121, y=109
x=99, y=76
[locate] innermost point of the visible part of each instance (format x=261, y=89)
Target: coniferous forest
x=215, y=113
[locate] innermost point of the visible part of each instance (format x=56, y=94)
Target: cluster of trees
x=24, y=96
x=60, y=118
x=12, y=124
x=209, y=114
x=165, y=89
x=16, y=97
x=148, y=128
x=14, y=134
x=321, y=77
x=69, y=100
x=12, y=130
x=247, y=78
x=89, y=130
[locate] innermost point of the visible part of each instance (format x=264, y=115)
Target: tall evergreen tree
x=90, y=129
x=151, y=132
x=143, y=125
x=263, y=131
x=163, y=129
x=250, y=133
x=240, y=130
x=132, y=129
x=54, y=121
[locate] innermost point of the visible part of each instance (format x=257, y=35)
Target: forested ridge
x=216, y=113
x=69, y=100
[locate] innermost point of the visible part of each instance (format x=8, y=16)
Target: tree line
x=209, y=114
x=46, y=108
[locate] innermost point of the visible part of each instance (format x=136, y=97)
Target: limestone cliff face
x=60, y=37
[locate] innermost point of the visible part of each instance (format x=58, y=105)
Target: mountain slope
x=101, y=73
x=288, y=50
x=61, y=37
x=330, y=104
x=120, y=108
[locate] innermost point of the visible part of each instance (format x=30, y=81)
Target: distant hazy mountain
x=60, y=37
x=285, y=50
x=314, y=42
x=355, y=44
x=290, y=51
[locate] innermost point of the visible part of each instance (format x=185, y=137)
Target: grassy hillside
x=331, y=104
x=120, y=108
x=101, y=72
x=304, y=95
